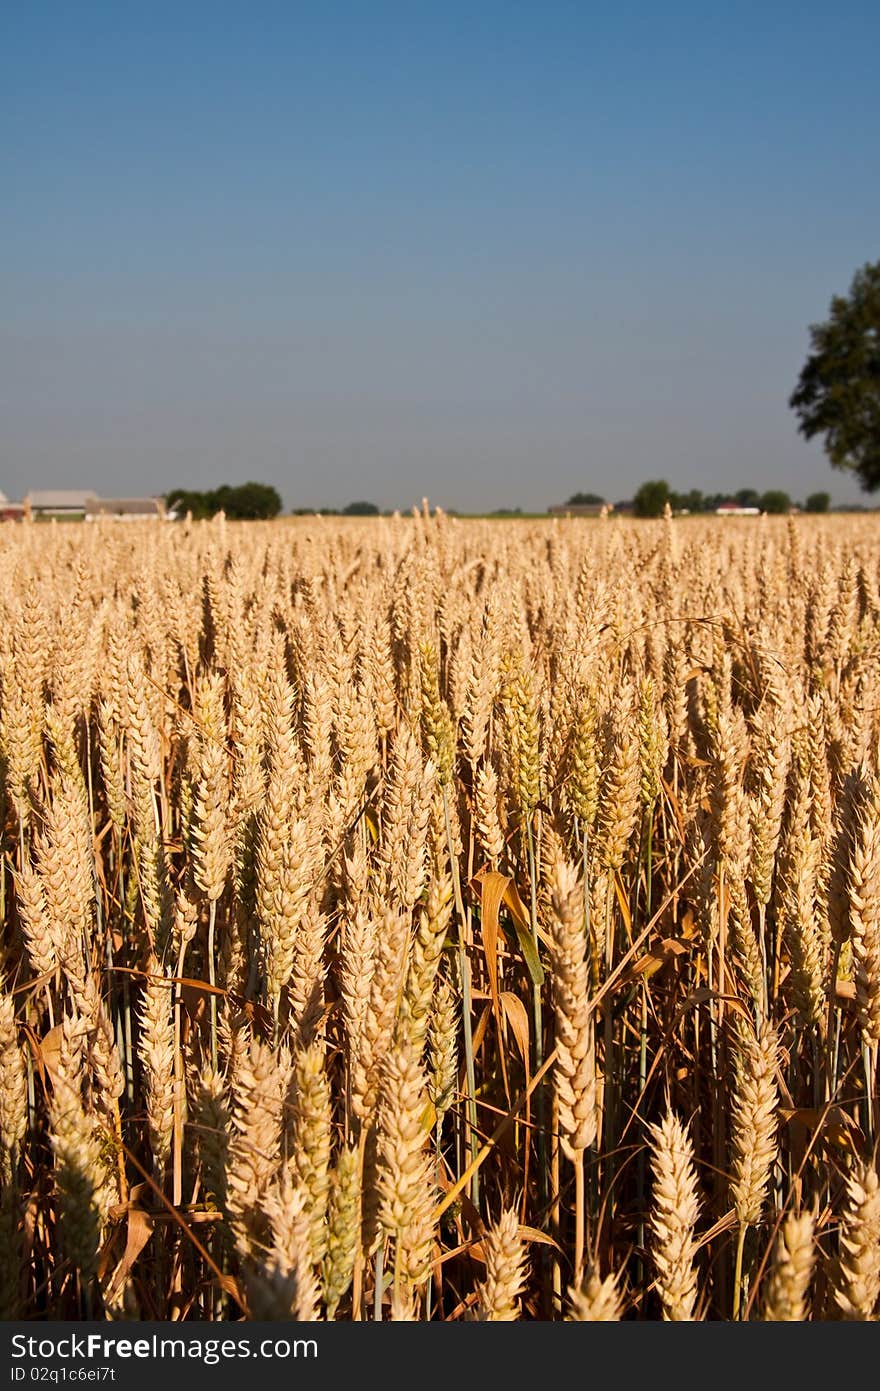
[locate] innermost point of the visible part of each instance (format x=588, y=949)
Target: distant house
x=59, y=502
x=125, y=509
x=581, y=509
x=85, y=505
x=733, y=509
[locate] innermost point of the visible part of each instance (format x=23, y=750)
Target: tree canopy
x=838, y=392
x=692, y=501
x=775, y=501
x=818, y=502
x=651, y=498
x=247, y=502
x=748, y=497
x=585, y=500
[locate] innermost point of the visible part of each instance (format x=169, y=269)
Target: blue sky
x=488, y=253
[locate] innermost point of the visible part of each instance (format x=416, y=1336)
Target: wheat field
x=428, y=919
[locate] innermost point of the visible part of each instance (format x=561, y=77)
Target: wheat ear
x=498, y=1295
x=673, y=1216
x=858, y=1283
x=786, y=1297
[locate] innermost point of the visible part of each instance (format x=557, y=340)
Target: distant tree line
x=651, y=498
x=247, y=502
x=585, y=500
x=353, y=509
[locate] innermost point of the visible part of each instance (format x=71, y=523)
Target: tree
x=183, y=500
x=651, y=498
x=838, y=392
x=694, y=500
x=360, y=509
x=585, y=500
x=818, y=502
x=247, y=502
x=251, y=502
x=687, y=502
x=775, y=501
x=713, y=500
x=748, y=497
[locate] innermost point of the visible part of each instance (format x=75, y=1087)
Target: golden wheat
x=363, y=881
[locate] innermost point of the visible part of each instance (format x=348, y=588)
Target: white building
x=59, y=502
x=85, y=505
x=125, y=509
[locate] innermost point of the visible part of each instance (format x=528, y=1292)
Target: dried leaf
x=519, y=1022
x=651, y=962
x=50, y=1051
x=480, y=1030
x=371, y=821
x=140, y=1229
x=503, y=885
x=829, y=1124
x=532, y=1234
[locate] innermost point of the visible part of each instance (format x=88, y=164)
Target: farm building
x=84, y=505
x=125, y=509
x=581, y=509
x=10, y=511
x=58, y=502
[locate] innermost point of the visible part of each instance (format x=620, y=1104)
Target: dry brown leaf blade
x=140, y=1229
x=518, y=1019
x=508, y=893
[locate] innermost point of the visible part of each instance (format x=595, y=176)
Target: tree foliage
x=748, y=497
x=692, y=501
x=651, y=498
x=585, y=500
x=775, y=501
x=838, y=392
x=818, y=502
x=247, y=502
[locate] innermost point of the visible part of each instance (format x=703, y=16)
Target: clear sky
x=489, y=253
